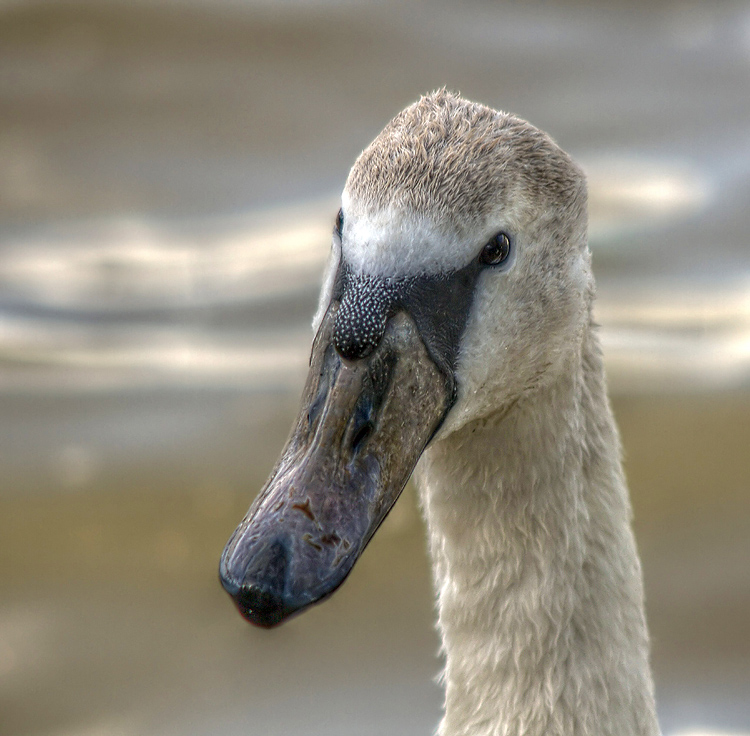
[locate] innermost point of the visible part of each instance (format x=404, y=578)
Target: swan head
x=459, y=279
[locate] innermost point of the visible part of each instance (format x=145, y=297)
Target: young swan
x=456, y=317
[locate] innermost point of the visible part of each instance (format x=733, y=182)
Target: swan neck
x=539, y=585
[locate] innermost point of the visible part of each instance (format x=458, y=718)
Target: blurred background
x=169, y=173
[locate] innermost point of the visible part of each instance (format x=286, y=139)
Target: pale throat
x=514, y=529
x=514, y=503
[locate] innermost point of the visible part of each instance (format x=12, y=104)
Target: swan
x=454, y=329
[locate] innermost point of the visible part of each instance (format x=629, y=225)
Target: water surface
x=168, y=183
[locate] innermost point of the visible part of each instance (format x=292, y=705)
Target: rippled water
x=168, y=179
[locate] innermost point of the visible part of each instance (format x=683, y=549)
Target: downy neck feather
x=539, y=584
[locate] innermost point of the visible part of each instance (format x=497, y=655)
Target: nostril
x=361, y=436
x=362, y=425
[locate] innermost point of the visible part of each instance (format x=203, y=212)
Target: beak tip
x=258, y=606
x=261, y=602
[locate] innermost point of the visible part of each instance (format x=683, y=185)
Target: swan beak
x=362, y=426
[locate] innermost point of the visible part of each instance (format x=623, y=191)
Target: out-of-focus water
x=168, y=179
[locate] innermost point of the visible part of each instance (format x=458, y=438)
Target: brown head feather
x=452, y=160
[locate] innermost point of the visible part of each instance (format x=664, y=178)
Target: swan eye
x=339, y=226
x=496, y=251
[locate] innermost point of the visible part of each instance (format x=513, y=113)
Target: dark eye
x=496, y=251
x=339, y=226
